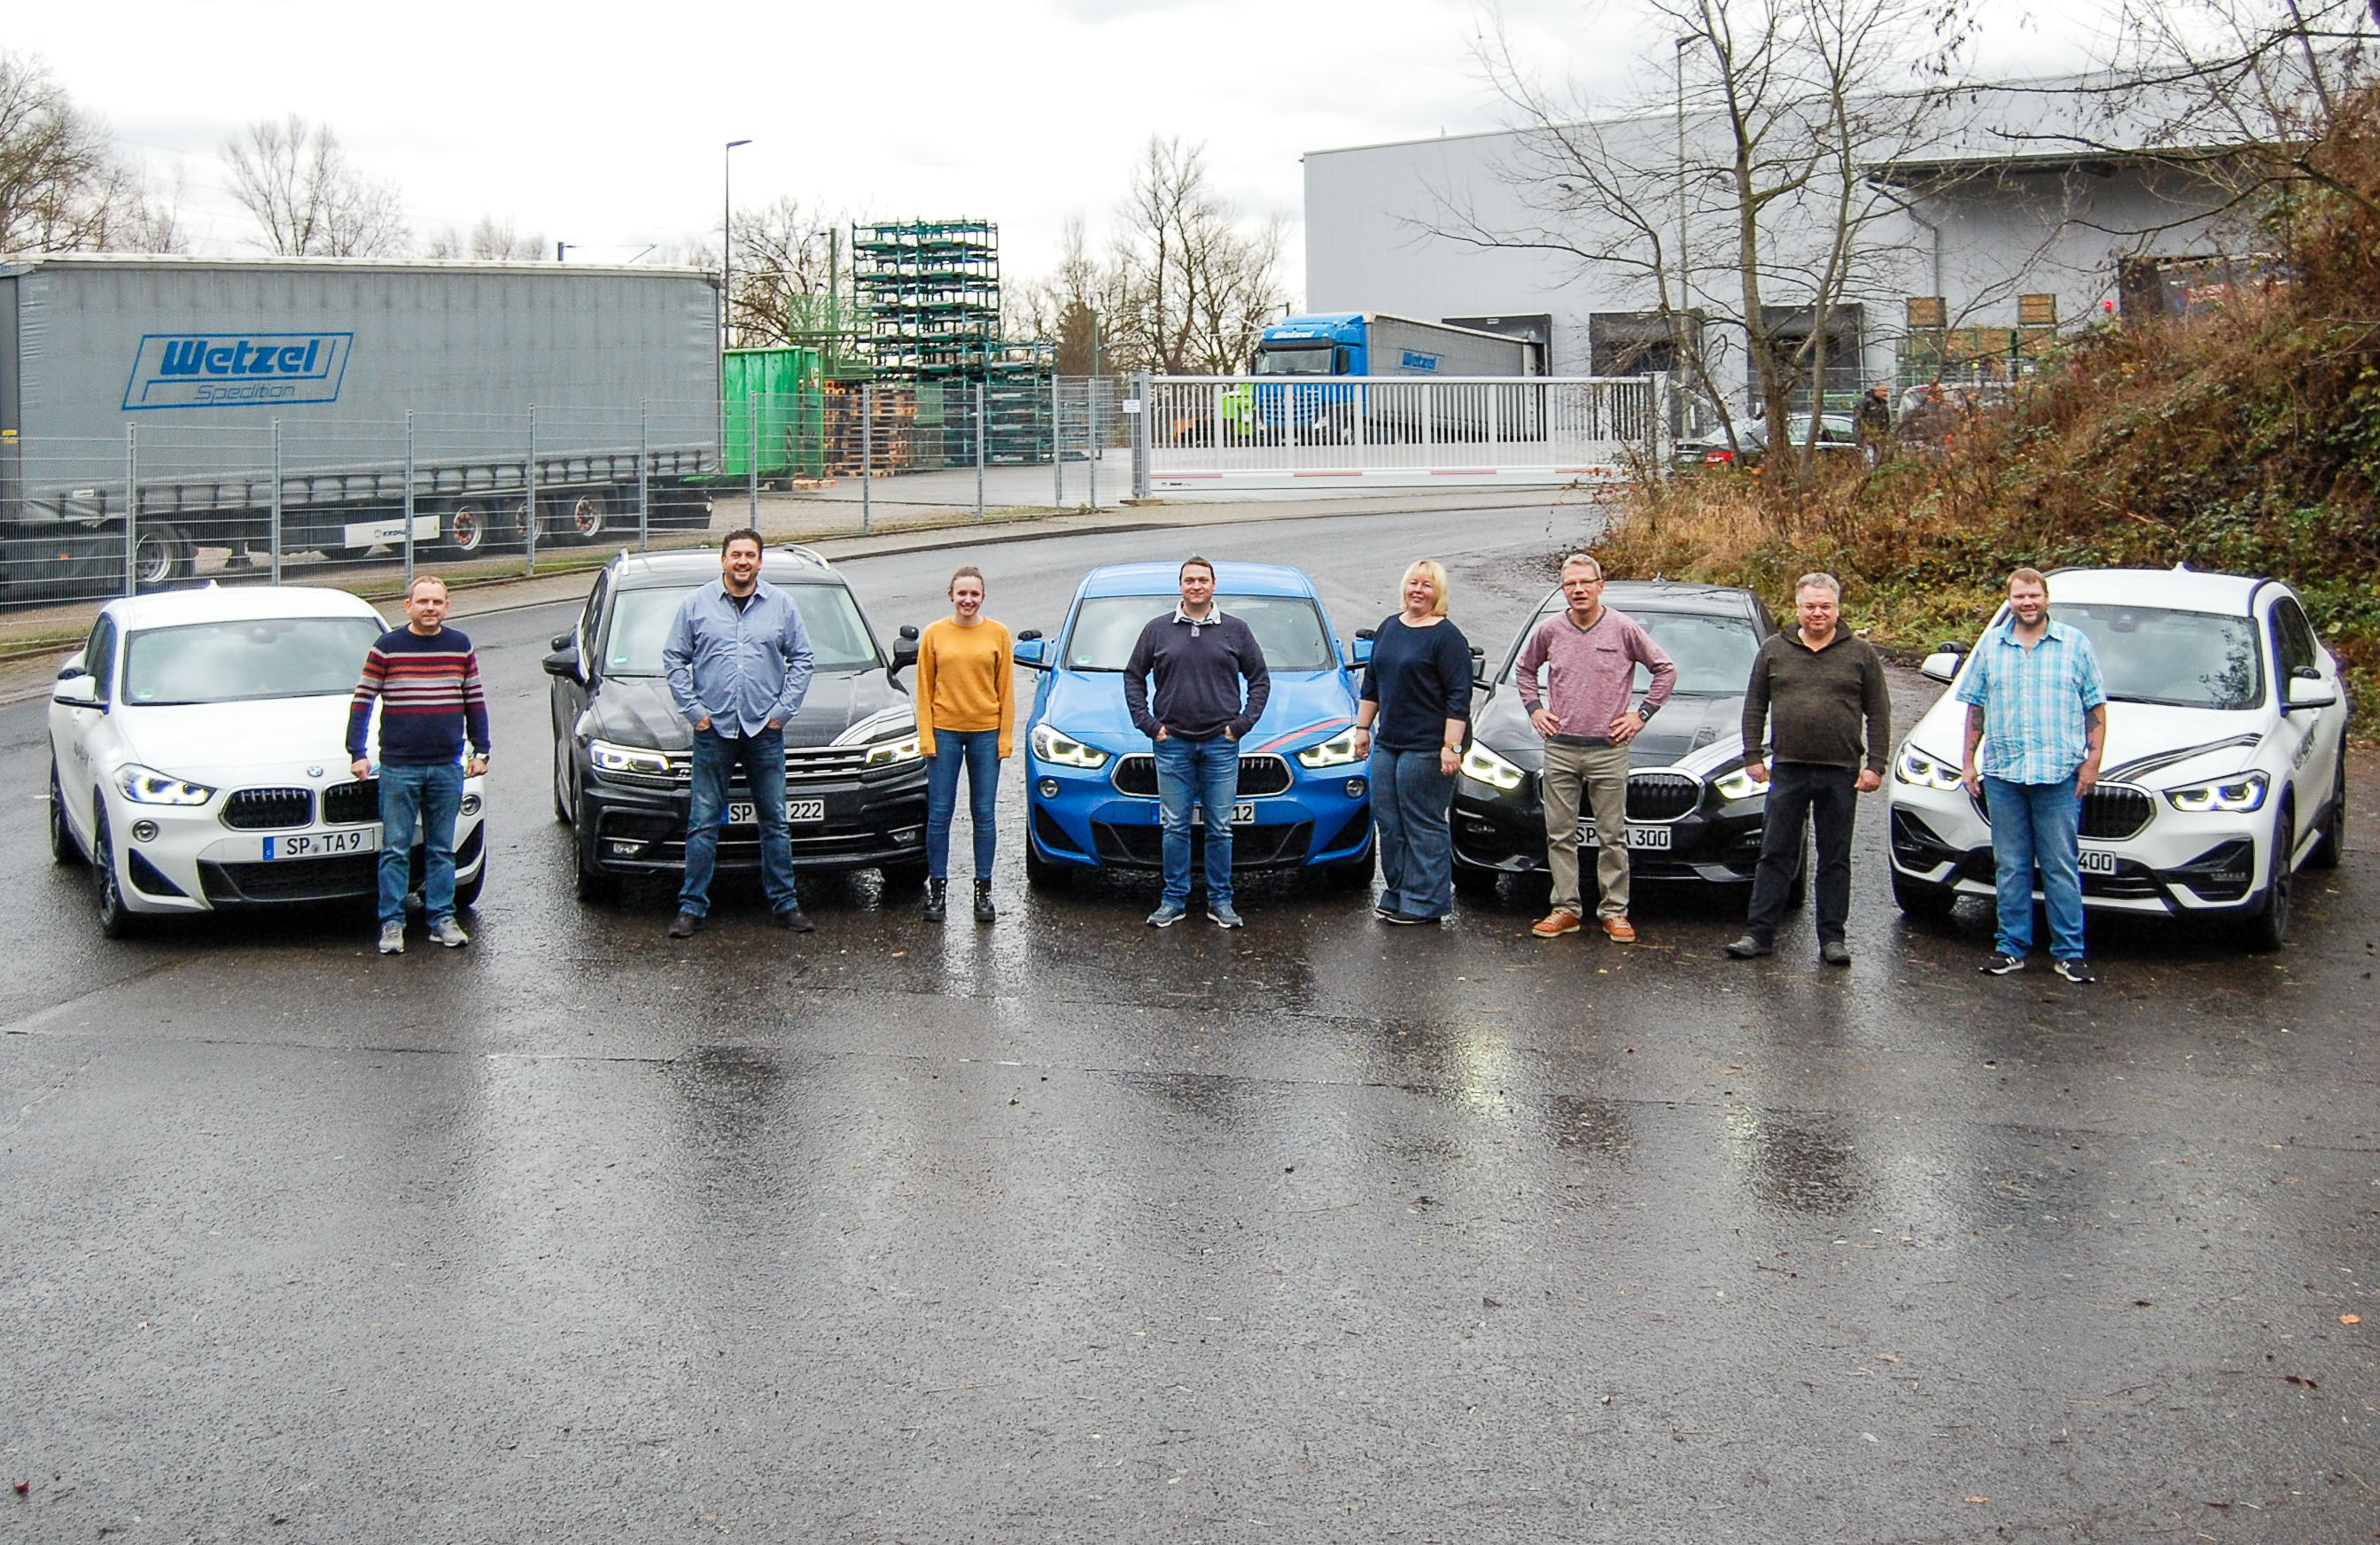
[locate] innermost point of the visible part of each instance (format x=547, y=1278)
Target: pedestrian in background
x=1411, y=720
x=1589, y=654
x=967, y=715
x=1817, y=729
x=2037, y=708
x=1184, y=685
x=426, y=677
x=738, y=666
x=1872, y=422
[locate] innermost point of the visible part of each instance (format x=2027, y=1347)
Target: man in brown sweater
x=1812, y=687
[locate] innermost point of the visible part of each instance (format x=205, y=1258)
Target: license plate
x=1243, y=813
x=1652, y=838
x=743, y=813
x=322, y=844
x=2095, y=862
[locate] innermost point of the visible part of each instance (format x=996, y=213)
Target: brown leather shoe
x=1555, y=923
x=1619, y=930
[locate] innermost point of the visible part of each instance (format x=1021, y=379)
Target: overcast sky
x=602, y=123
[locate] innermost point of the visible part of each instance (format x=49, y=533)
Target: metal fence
x=1265, y=431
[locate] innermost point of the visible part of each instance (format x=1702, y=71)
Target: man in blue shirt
x=2034, y=686
x=738, y=666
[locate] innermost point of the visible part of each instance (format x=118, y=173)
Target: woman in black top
x=1415, y=708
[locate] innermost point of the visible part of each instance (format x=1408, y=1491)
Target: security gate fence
x=1267, y=431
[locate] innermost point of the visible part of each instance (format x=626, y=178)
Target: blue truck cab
x=1369, y=346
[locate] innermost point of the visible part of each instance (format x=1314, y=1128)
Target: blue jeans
x=1205, y=773
x=435, y=796
x=1410, y=800
x=979, y=752
x=2033, y=825
x=716, y=756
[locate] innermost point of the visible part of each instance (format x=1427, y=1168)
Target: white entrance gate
x=1275, y=431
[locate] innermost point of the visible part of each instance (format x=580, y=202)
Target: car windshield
x=2186, y=659
x=641, y=618
x=246, y=661
x=1713, y=653
x=1288, y=630
x=1307, y=360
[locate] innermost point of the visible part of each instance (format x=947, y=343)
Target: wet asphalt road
x=1069, y=1229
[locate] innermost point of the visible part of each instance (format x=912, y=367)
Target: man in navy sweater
x=427, y=679
x=1197, y=658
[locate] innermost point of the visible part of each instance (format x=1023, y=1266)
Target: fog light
x=1355, y=788
x=1049, y=788
x=903, y=836
x=470, y=804
x=144, y=831
x=623, y=848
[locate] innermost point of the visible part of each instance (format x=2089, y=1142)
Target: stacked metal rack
x=929, y=290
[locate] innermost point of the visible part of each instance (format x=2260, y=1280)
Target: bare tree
x=1073, y=304
x=1195, y=283
x=787, y=260
x=63, y=186
x=307, y=197
x=490, y=241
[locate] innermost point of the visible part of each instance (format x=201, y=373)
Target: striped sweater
x=430, y=695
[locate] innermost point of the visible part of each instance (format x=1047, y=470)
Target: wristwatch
x=1644, y=711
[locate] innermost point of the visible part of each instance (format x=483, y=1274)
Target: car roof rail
x=807, y=555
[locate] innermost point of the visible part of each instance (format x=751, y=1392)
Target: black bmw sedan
x=1692, y=813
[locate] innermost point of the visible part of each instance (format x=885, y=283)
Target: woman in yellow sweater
x=967, y=713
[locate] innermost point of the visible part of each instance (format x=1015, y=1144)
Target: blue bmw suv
x=1090, y=791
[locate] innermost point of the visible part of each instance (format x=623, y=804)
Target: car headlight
x=1335, y=752
x=1483, y=765
x=1051, y=746
x=2232, y=795
x=884, y=754
x=147, y=786
x=636, y=760
x=1739, y=784
x=1913, y=767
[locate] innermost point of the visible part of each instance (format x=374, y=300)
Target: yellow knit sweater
x=966, y=680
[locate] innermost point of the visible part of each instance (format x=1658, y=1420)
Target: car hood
x=1701, y=733
x=637, y=710
x=2148, y=743
x=211, y=741
x=1304, y=708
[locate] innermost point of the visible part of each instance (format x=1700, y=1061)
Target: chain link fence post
x=272, y=557
x=1139, y=407
x=1057, y=445
x=752, y=459
x=644, y=474
x=528, y=499
x=867, y=456
x=982, y=428
x=131, y=510
x=408, y=500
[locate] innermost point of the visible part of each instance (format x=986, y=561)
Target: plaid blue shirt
x=2034, y=702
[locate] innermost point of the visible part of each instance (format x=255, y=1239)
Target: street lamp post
x=727, y=241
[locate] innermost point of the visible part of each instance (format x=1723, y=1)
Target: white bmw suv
x=2225, y=770
x=197, y=756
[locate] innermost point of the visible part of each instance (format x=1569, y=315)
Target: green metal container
x=771, y=398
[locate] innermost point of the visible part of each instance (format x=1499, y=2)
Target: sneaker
x=1167, y=915
x=1998, y=963
x=1222, y=915
x=448, y=932
x=1382, y=909
x=1406, y=919
x=1555, y=923
x=1619, y=930
x=1835, y=952
x=2076, y=971
x=683, y=925
x=391, y=939
x=1750, y=948
x=791, y=919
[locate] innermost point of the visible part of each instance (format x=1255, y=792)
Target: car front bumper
x=872, y=819
x=1503, y=832
x=1078, y=816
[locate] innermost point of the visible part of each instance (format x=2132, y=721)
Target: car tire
x=900, y=878
x=65, y=851
x=1918, y=899
x=1477, y=884
x=2269, y=927
x=581, y=518
x=593, y=885
x=1043, y=873
x=116, y=920
x=467, y=892
x=161, y=556
x=2330, y=848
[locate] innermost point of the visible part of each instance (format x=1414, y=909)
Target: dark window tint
x=2189, y=659
x=99, y=655
x=1287, y=629
x=2293, y=643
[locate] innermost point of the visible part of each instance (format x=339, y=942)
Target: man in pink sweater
x=1589, y=655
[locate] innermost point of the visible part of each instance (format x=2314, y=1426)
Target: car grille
x=305, y=879
x=2112, y=813
x=268, y=809
x=801, y=762
x=351, y=805
x=1259, y=776
x=1662, y=796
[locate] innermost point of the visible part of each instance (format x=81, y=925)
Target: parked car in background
x=1693, y=813
x=2225, y=770
x=624, y=755
x=1836, y=433
x=197, y=756
x=1090, y=796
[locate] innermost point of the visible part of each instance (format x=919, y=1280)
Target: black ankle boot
x=984, y=912
x=935, y=911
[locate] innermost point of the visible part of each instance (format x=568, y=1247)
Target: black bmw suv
x=623, y=756
x=1693, y=814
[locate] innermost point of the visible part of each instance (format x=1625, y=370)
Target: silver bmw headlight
x=1335, y=752
x=1483, y=765
x=147, y=786
x=2231, y=795
x=1913, y=766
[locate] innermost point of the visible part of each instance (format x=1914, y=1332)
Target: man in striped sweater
x=427, y=679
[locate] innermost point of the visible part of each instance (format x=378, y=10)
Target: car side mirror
x=1029, y=636
x=1943, y=663
x=1479, y=681
x=75, y=692
x=564, y=662
x=904, y=651
x=563, y=641
x=71, y=666
x=1031, y=652
x=2305, y=694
